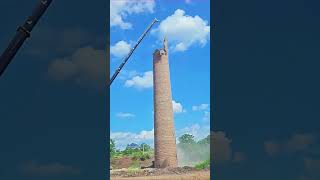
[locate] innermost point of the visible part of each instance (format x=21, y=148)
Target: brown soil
x=178, y=173
x=120, y=171
x=205, y=175
x=126, y=162
x=120, y=163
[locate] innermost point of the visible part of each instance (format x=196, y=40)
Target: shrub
x=203, y=165
x=140, y=155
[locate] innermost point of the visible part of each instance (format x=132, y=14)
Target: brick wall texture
x=164, y=131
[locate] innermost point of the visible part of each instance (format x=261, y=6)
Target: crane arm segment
x=132, y=50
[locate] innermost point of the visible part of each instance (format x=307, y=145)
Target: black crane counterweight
x=131, y=51
x=22, y=34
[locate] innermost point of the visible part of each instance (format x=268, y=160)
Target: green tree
x=144, y=147
x=205, y=140
x=112, y=147
x=131, y=148
x=187, y=139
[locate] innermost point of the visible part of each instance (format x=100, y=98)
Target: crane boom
x=132, y=50
x=23, y=32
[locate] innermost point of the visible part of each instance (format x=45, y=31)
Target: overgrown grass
x=134, y=168
x=203, y=165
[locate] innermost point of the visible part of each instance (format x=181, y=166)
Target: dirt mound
x=119, y=163
x=127, y=161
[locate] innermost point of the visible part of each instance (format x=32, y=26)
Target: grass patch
x=134, y=168
x=135, y=164
x=203, y=165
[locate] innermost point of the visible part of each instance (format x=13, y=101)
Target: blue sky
x=187, y=25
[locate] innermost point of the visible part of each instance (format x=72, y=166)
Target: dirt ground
x=121, y=171
x=179, y=173
x=125, y=162
x=205, y=175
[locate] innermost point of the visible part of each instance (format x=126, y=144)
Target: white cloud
x=125, y=115
x=141, y=82
x=145, y=135
x=203, y=107
x=120, y=49
x=200, y=107
x=187, y=1
x=120, y=9
x=183, y=31
x=122, y=139
x=206, y=116
x=177, y=107
x=127, y=74
x=84, y=65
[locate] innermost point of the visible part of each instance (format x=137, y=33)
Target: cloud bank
x=120, y=49
x=141, y=82
x=120, y=9
x=183, y=31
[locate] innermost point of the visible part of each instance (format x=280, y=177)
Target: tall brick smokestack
x=164, y=132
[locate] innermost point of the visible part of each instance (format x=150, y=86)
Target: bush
x=203, y=165
x=144, y=156
x=130, y=151
x=112, y=147
x=140, y=155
